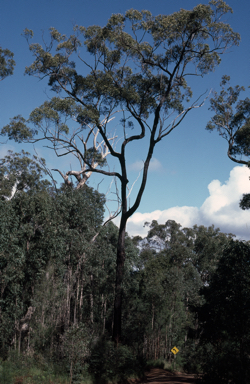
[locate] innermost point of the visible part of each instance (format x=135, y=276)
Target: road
x=159, y=376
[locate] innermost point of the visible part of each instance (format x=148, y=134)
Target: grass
x=163, y=364
x=25, y=371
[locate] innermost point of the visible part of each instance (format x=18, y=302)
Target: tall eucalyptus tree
x=140, y=74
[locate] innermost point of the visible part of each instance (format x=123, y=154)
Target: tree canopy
x=20, y=173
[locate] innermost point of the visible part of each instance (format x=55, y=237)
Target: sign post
x=175, y=350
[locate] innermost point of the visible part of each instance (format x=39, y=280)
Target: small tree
x=141, y=75
x=76, y=347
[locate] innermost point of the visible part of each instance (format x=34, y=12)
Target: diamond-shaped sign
x=175, y=350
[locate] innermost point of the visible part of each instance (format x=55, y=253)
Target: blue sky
x=191, y=180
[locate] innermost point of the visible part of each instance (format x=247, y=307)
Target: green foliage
x=58, y=284
x=225, y=318
x=163, y=298
x=48, y=257
x=159, y=363
x=191, y=358
x=26, y=172
x=245, y=201
x=18, y=130
x=75, y=219
x=26, y=370
x=7, y=63
x=69, y=281
x=6, y=373
x=21, y=236
x=232, y=121
x=208, y=245
x=12, y=259
x=76, y=342
x=232, y=118
x=138, y=67
x=41, y=233
x=174, y=43
x=110, y=364
x=113, y=45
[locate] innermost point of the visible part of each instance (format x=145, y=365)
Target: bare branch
x=181, y=116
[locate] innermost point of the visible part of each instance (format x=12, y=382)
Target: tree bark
x=91, y=300
x=153, y=313
x=120, y=258
x=104, y=305
x=126, y=213
x=118, y=284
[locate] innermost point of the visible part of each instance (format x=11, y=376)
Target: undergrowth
x=106, y=364
x=26, y=370
x=164, y=364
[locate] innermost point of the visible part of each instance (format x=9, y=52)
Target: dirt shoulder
x=160, y=376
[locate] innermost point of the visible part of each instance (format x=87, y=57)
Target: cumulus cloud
x=221, y=208
x=155, y=165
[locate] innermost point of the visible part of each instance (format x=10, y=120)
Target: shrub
x=108, y=363
x=6, y=372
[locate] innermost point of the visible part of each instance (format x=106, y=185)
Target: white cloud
x=221, y=208
x=154, y=165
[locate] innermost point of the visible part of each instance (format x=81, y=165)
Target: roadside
x=160, y=376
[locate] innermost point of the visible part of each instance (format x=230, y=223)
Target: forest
x=183, y=287
x=81, y=300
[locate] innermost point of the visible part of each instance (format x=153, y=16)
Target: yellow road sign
x=175, y=350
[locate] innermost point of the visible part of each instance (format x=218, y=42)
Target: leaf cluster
x=7, y=63
x=231, y=118
x=139, y=60
x=23, y=170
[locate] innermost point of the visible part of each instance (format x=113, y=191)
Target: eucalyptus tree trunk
x=91, y=300
x=126, y=213
x=104, y=310
x=153, y=314
x=117, y=329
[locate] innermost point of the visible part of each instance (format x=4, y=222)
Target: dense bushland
x=183, y=287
